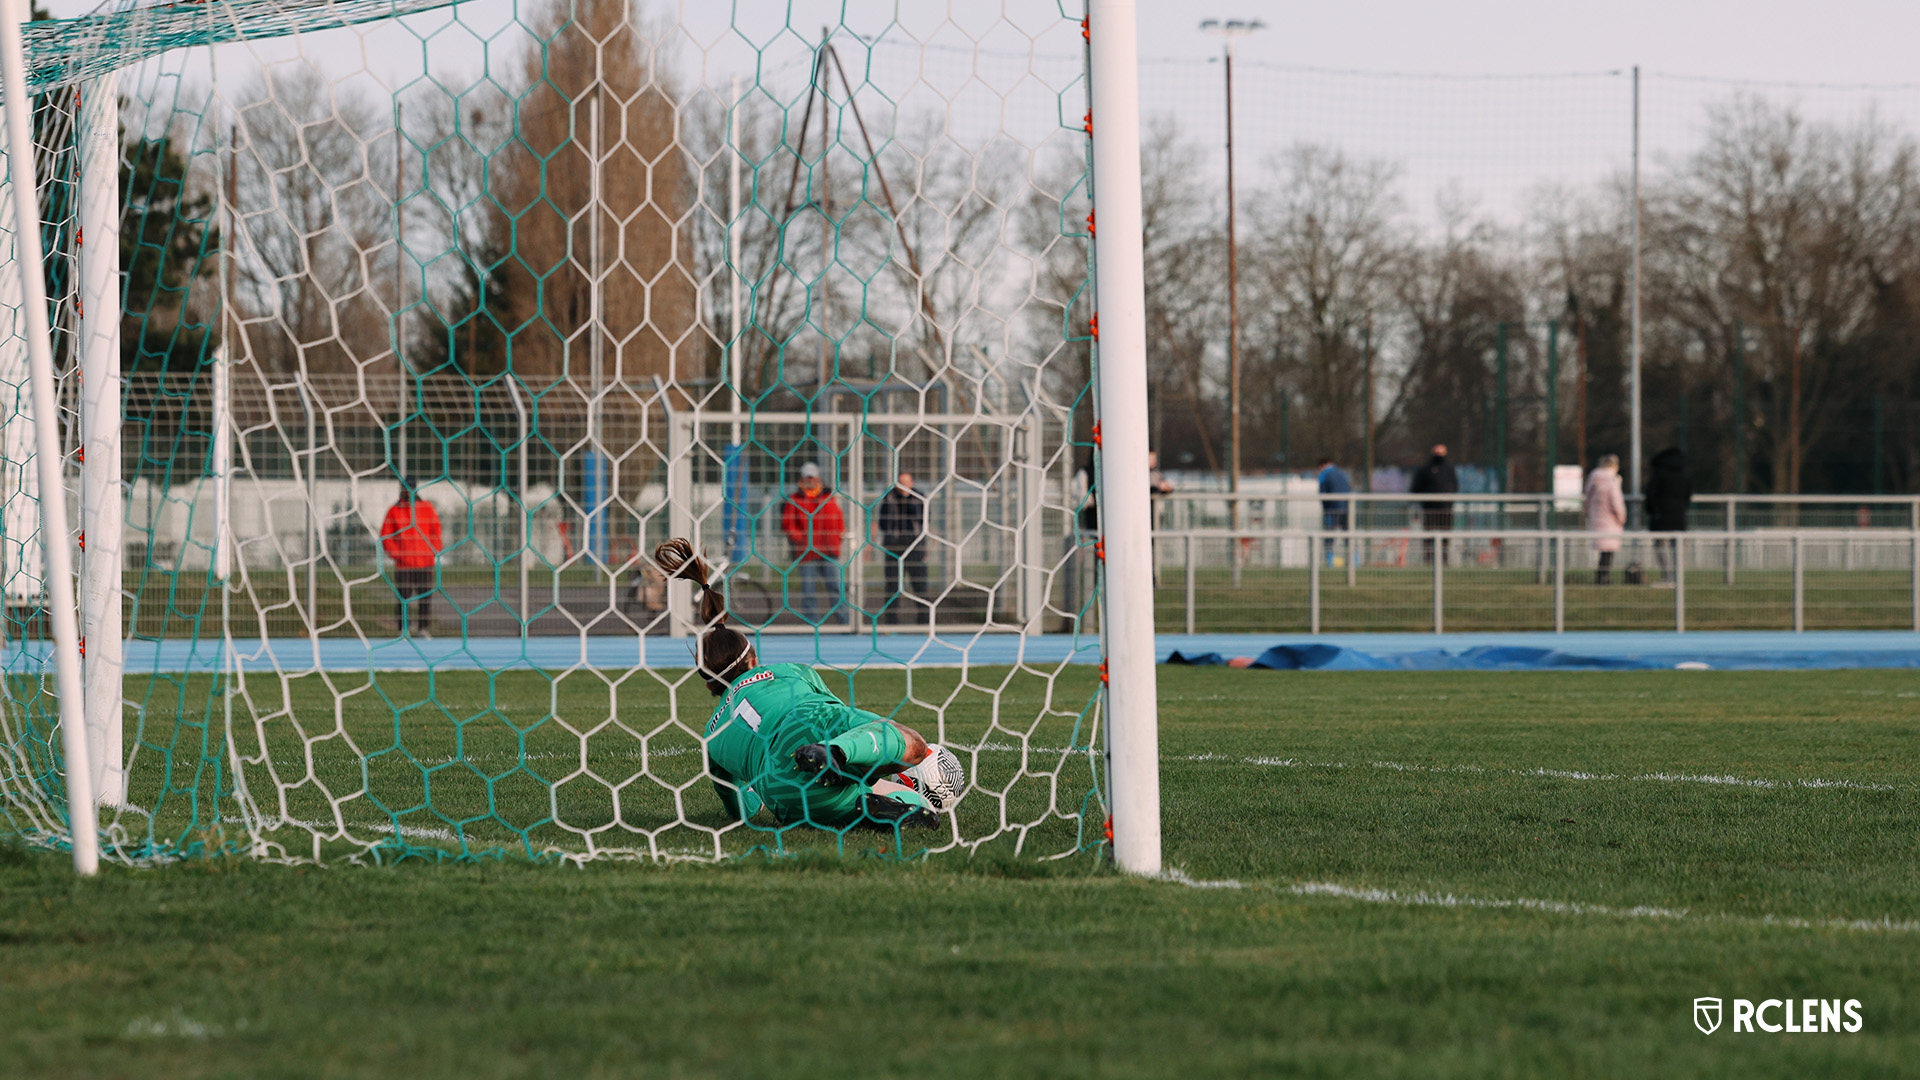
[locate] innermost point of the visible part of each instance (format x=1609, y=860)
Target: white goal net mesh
x=577, y=276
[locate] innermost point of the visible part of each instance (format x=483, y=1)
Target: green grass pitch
x=1436, y=875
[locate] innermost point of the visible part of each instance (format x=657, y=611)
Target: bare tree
x=314, y=226
x=1453, y=294
x=1799, y=230
x=1580, y=272
x=1326, y=248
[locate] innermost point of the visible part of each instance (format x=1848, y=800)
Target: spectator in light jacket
x=1606, y=514
x=815, y=527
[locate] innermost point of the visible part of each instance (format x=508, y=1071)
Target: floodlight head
x=1232, y=28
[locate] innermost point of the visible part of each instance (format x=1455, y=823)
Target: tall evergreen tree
x=168, y=246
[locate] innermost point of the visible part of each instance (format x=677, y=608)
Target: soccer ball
x=939, y=777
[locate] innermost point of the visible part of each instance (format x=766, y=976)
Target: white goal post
x=32, y=324
x=1127, y=514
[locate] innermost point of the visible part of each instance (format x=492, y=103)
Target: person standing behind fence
x=1669, y=495
x=814, y=526
x=1333, y=512
x=1606, y=514
x=1436, y=477
x=410, y=534
x=903, y=532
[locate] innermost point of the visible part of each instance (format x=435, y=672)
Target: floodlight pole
x=1232, y=30
x=1133, y=757
x=81, y=820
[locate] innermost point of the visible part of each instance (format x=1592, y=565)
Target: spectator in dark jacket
x=903, y=532
x=1668, y=496
x=1333, y=512
x=1436, y=477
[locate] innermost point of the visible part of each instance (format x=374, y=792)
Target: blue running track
x=1749, y=650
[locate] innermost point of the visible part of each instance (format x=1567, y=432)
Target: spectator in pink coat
x=1606, y=513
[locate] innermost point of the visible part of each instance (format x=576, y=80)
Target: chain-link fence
x=550, y=500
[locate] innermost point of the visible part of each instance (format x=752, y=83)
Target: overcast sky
x=1792, y=40
x=1485, y=128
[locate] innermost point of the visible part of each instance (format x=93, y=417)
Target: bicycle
x=749, y=602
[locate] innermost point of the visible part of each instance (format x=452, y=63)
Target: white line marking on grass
x=1565, y=774
x=557, y=755
x=1179, y=877
x=1557, y=774
x=1569, y=907
x=1421, y=899
x=329, y=828
x=177, y=1024
x=1424, y=768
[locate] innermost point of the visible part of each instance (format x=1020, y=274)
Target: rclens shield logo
x=1801, y=1016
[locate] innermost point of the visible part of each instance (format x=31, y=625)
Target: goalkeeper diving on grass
x=781, y=741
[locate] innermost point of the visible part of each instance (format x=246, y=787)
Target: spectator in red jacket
x=813, y=523
x=410, y=534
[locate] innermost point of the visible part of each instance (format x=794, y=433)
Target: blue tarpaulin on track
x=1318, y=657
x=1327, y=657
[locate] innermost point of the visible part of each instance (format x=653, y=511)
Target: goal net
x=570, y=277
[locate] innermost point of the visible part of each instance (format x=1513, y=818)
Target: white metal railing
x=1549, y=554
x=1482, y=511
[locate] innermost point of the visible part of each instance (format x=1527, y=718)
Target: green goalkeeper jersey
x=766, y=715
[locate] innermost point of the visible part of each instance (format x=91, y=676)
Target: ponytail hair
x=724, y=653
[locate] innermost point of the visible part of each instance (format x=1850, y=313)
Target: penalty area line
x=1552, y=774
x=1571, y=907
x=1336, y=891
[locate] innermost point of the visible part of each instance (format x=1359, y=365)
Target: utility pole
x=1635, y=482
x=1232, y=30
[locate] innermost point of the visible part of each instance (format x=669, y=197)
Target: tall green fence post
x=1500, y=411
x=1879, y=441
x=1553, y=400
x=1739, y=408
